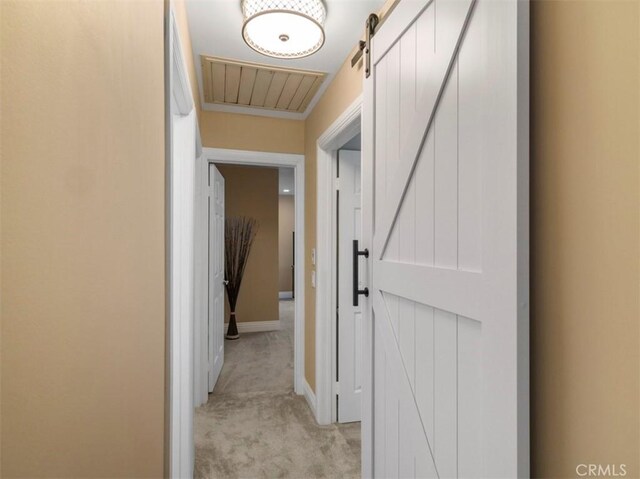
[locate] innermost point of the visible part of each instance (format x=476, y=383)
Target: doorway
x=222, y=159
x=347, y=330
x=340, y=363
x=259, y=346
x=254, y=424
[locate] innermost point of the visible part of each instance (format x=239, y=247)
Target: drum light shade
x=284, y=28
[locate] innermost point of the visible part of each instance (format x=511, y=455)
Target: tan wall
x=286, y=220
x=2, y=15
x=2, y=89
x=585, y=238
x=249, y=132
x=82, y=207
x=253, y=191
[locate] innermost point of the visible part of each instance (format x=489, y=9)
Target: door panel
x=216, y=274
x=349, y=316
x=447, y=109
x=396, y=161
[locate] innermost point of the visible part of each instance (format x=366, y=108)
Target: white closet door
x=445, y=161
x=216, y=274
x=349, y=336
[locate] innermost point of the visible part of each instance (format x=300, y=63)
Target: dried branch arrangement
x=239, y=234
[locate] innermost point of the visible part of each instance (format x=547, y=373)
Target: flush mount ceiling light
x=284, y=28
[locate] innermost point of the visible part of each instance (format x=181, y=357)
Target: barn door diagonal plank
x=457, y=15
x=396, y=362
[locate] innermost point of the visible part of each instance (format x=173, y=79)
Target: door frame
x=179, y=347
x=345, y=127
x=258, y=158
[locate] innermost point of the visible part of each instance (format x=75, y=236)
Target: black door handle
x=357, y=253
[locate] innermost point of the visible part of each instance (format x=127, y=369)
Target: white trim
x=256, y=326
x=245, y=110
x=344, y=128
x=341, y=130
x=310, y=397
x=257, y=158
x=285, y=294
x=180, y=237
x=198, y=141
x=523, y=231
x=201, y=308
x=180, y=87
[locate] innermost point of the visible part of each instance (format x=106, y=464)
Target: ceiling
x=216, y=25
x=229, y=82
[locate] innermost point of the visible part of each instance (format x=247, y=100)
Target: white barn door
x=216, y=274
x=445, y=126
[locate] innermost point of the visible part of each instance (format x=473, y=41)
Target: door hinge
x=336, y=388
x=337, y=184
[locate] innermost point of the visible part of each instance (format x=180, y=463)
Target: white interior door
x=446, y=154
x=349, y=316
x=216, y=274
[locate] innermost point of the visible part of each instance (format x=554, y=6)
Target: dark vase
x=232, y=330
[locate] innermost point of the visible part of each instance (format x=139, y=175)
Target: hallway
x=254, y=425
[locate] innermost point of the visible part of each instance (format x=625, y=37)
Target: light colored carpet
x=254, y=425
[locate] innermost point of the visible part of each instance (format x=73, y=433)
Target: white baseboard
x=255, y=326
x=310, y=396
x=285, y=294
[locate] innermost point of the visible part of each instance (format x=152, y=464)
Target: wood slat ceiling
x=231, y=82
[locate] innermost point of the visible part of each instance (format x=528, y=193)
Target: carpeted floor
x=254, y=425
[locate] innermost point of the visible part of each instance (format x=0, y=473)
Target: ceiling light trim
x=312, y=11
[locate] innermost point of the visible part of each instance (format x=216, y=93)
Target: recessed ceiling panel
x=230, y=82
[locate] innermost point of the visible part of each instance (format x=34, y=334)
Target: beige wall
x=286, y=220
x=253, y=191
x=82, y=240
x=249, y=132
x=2, y=81
x=585, y=160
